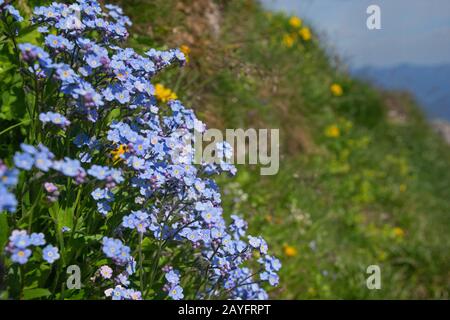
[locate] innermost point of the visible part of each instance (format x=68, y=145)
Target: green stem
x=155, y=267
x=14, y=126
x=22, y=280
x=141, y=269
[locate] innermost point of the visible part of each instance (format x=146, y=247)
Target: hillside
x=363, y=179
x=428, y=83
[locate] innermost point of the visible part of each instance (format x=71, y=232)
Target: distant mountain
x=429, y=84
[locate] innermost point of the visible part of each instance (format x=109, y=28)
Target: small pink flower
x=106, y=272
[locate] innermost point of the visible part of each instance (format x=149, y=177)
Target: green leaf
x=35, y=293
x=63, y=216
x=4, y=230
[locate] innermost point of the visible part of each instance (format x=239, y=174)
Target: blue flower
x=87, y=96
x=270, y=277
x=42, y=161
x=8, y=200
x=173, y=277
x=93, y=61
x=254, y=242
x=50, y=253
x=118, y=293
x=263, y=248
x=116, y=175
x=217, y=233
x=14, y=13
x=8, y=178
x=136, y=220
x=66, y=74
x=141, y=146
x=134, y=294
x=58, y=42
x=37, y=239
x=131, y=266
x=122, y=96
x=23, y=160
x=106, y=272
x=65, y=229
x=176, y=293
x=31, y=53
x=103, y=207
x=99, y=194
x=99, y=172
x=124, y=255
x=70, y=167
x=137, y=163
x=54, y=118
x=43, y=29
x=28, y=148
x=114, y=248
x=129, y=221
x=123, y=279
x=275, y=263
x=21, y=255
x=19, y=239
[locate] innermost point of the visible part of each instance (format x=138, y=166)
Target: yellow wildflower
x=290, y=251
x=332, y=131
x=295, y=22
x=336, y=90
x=398, y=232
x=186, y=50
x=402, y=187
x=164, y=94
x=288, y=40
x=305, y=33
x=119, y=151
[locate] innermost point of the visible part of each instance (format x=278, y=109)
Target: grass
x=378, y=192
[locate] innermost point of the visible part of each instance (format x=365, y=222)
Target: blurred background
x=410, y=52
x=364, y=174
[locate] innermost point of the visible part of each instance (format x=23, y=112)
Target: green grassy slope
x=357, y=186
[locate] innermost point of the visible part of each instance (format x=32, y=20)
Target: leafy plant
x=105, y=178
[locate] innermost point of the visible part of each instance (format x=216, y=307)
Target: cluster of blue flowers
x=43, y=159
x=121, y=293
x=9, y=9
x=114, y=249
x=54, y=118
x=8, y=180
x=170, y=198
x=140, y=221
x=20, y=243
x=120, y=256
x=172, y=287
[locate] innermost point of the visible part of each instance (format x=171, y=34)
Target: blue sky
x=413, y=31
